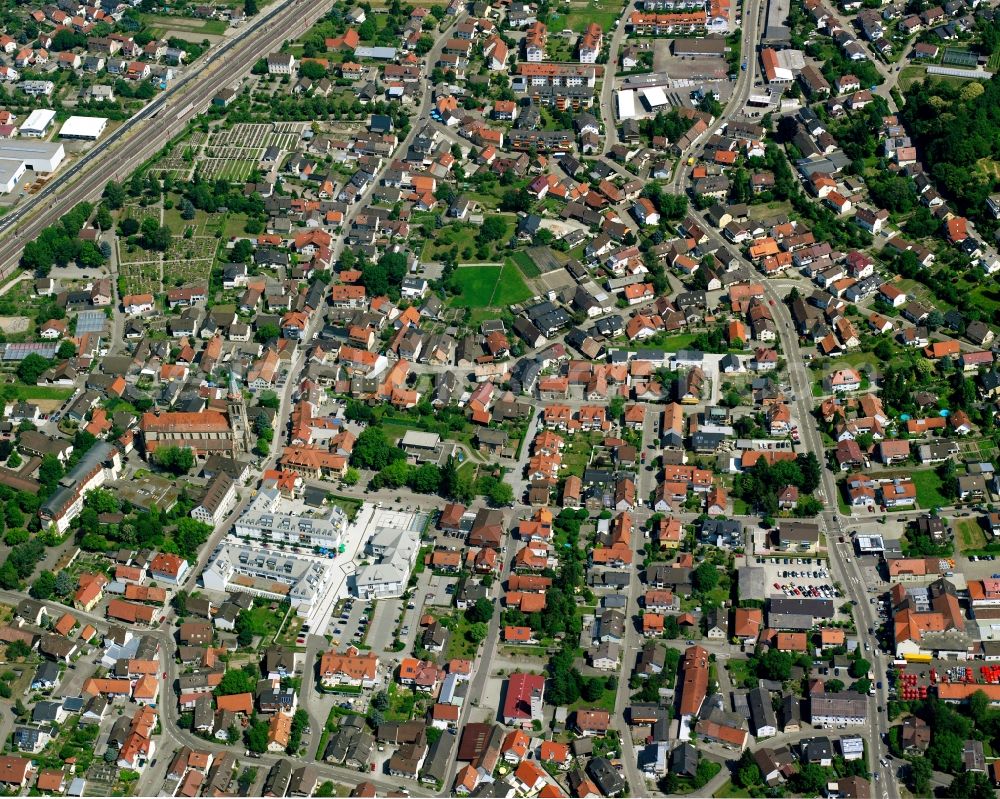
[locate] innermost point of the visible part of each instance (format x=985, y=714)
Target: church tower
x=237, y=407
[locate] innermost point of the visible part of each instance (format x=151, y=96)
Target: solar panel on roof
x=18, y=351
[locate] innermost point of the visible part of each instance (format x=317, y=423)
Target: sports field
x=490, y=286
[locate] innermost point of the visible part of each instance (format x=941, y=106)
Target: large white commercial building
x=304, y=580
x=11, y=171
x=655, y=97
x=85, y=128
x=38, y=123
x=271, y=518
x=39, y=156
x=395, y=541
x=626, y=104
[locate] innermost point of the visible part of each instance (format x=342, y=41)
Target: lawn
x=491, y=286
x=969, y=535
x=458, y=645
x=401, y=702
x=730, y=790
x=606, y=702
x=739, y=672
x=668, y=343
x=264, y=621
x=928, y=489
x=43, y=393
x=580, y=13
x=459, y=236
x=985, y=297
x=163, y=23
x=350, y=505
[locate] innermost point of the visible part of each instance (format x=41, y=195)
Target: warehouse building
x=38, y=123
x=83, y=128
x=39, y=156
x=11, y=171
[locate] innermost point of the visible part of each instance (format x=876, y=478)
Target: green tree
x=312, y=70
x=235, y=681
x=920, y=773
x=945, y=751
x=449, y=478
x=477, y=632
x=18, y=649
x=979, y=706
x=50, y=472
x=177, y=460
x=705, y=578
x=501, y=494
x=103, y=218
x=44, y=586
x=257, y=737
x=267, y=332
x=810, y=780
x=859, y=668
x=114, y=195
x=494, y=228
x=775, y=665
x=31, y=368
x=244, y=629
x=351, y=476
x=747, y=771
x=481, y=611
x=971, y=785
x=425, y=479
x=373, y=451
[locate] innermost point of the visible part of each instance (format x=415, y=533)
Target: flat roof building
x=11, y=171
x=84, y=128
x=39, y=156
x=626, y=104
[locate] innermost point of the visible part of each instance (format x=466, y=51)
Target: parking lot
x=804, y=576
x=349, y=621
x=383, y=631
x=440, y=591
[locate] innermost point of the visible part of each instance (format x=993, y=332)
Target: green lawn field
x=492, y=286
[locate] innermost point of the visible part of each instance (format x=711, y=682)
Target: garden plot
x=283, y=135
x=233, y=153
x=139, y=277
x=189, y=260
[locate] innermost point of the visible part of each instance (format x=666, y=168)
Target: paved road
x=752, y=11
x=152, y=127
x=608, y=87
